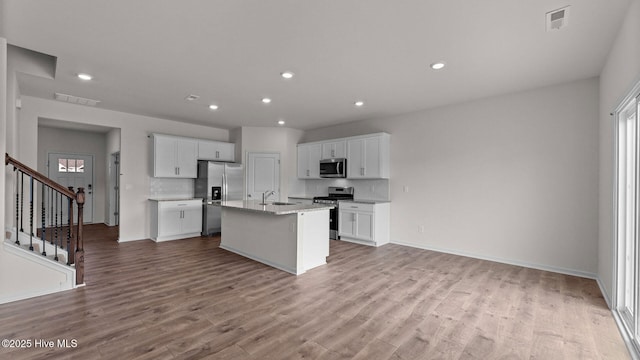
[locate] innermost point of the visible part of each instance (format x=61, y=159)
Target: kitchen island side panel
x=266, y=238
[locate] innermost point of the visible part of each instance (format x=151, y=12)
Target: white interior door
x=263, y=174
x=77, y=171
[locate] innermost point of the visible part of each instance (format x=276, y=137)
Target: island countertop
x=273, y=207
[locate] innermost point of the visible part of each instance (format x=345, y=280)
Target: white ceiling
x=146, y=56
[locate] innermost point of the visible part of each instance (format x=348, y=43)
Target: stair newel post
x=44, y=229
x=31, y=213
x=17, y=205
x=70, y=243
x=80, y=197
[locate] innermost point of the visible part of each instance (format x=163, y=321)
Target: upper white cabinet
x=368, y=157
x=216, y=150
x=309, y=156
x=174, y=157
x=334, y=149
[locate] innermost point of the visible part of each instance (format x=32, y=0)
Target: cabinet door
x=169, y=221
x=303, y=160
x=364, y=226
x=192, y=220
x=164, y=156
x=226, y=151
x=187, y=163
x=355, y=158
x=315, y=153
x=216, y=150
x=334, y=149
x=371, y=157
x=346, y=223
x=309, y=161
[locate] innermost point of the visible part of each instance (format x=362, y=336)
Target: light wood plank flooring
x=189, y=299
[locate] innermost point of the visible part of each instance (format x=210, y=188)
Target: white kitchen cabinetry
x=175, y=219
x=364, y=223
x=309, y=160
x=216, y=150
x=174, y=157
x=368, y=157
x=334, y=149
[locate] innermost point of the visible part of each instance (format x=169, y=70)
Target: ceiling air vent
x=76, y=100
x=558, y=19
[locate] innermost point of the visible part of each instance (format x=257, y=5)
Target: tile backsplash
x=364, y=189
x=171, y=188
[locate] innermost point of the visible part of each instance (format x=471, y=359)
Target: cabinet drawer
x=347, y=205
x=181, y=205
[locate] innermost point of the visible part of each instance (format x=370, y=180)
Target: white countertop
x=254, y=205
x=363, y=201
x=173, y=199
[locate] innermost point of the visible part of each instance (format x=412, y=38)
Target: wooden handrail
x=75, y=248
x=38, y=176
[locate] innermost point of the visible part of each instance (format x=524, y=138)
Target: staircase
x=43, y=251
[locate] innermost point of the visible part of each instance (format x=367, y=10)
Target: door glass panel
x=79, y=165
x=62, y=165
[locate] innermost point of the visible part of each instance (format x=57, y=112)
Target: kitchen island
x=290, y=237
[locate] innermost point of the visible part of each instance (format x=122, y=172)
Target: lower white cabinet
x=364, y=223
x=175, y=219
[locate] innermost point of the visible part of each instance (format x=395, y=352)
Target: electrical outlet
x=405, y=188
x=421, y=229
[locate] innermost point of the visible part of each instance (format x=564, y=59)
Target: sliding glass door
x=628, y=188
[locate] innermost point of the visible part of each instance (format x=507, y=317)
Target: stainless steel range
x=335, y=195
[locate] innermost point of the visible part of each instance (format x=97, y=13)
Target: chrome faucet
x=266, y=194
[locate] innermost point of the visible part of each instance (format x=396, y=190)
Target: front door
x=77, y=171
x=263, y=174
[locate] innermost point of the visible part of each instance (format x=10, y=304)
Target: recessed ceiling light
x=359, y=103
x=86, y=77
x=213, y=107
x=280, y=122
x=266, y=100
x=437, y=65
x=287, y=74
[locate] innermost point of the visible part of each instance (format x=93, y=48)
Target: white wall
x=512, y=178
x=57, y=140
x=135, y=150
x=618, y=76
x=3, y=130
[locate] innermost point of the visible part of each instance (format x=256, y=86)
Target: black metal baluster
x=55, y=227
x=51, y=193
x=69, y=255
x=31, y=213
x=55, y=224
x=21, y=201
x=59, y=234
x=44, y=231
x=17, y=206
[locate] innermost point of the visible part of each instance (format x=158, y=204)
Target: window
x=71, y=165
x=627, y=298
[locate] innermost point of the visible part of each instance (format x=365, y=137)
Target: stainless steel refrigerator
x=217, y=182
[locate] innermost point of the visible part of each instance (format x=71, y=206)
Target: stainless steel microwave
x=333, y=168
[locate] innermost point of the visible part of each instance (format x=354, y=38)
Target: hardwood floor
x=189, y=299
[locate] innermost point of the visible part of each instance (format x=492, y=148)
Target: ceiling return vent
x=76, y=99
x=558, y=19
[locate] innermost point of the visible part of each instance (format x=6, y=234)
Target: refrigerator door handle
x=224, y=187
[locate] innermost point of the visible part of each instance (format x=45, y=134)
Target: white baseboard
x=554, y=269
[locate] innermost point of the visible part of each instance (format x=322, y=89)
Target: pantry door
x=77, y=171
